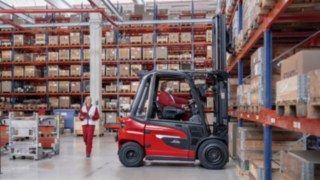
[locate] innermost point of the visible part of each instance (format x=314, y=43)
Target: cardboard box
x=136, y=53
x=210, y=102
x=75, y=70
x=54, y=102
x=147, y=38
x=75, y=38
x=124, y=87
x=53, y=71
x=111, y=54
x=209, y=35
x=64, y=72
x=314, y=81
x=162, y=39
x=64, y=55
x=112, y=104
x=135, y=68
x=6, y=73
x=53, y=40
x=40, y=39
x=124, y=53
x=75, y=86
x=103, y=70
x=185, y=37
x=86, y=39
x=184, y=87
x=257, y=89
x=300, y=63
x=31, y=71
x=110, y=37
x=175, y=85
x=134, y=86
x=292, y=89
x=103, y=54
x=53, y=56
x=75, y=54
x=111, y=71
x=53, y=86
x=64, y=102
x=111, y=118
x=174, y=37
x=64, y=86
x=125, y=103
x=18, y=71
x=75, y=18
x=86, y=54
x=86, y=86
x=173, y=67
x=209, y=52
x=243, y=95
x=64, y=40
x=147, y=53
x=162, y=53
x=135, y=39
x=161, y=67
x=20, y=57
x=124, y=70
x=20, y=40
x=6, y=86
x=40, y=57
x=6, y=56
x=41, y=88
x=111, y=88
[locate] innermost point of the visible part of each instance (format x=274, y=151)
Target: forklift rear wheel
x=131, y=154
x=213, y=154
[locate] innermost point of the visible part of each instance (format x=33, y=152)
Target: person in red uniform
x=166, y=98
x=88, y=115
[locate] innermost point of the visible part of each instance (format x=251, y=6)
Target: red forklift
x=155, y=133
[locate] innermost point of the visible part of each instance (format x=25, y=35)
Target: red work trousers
x=88, y=131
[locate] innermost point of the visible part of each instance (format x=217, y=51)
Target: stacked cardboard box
x=209, y=52
x=314, y=95
x=147, y=53
x=18, y=71
x=103, y=54
x=20, y=40
x=64, y=40
x=31, y=71
x=125, y=103
x=111, y=71
x=210, y=102
x=185, y=37
x=124, y=70
x=64, y=102
x=175, y=85
x=184, y=87
x=209, y=35
x=64, y=72
x=53, y=71
x=75, y=38
x=53, y=86
x=75, y=86
x=6, y=73
x=111, y=54
x=111, y=103
x=64, y=54
x=40, y=39
x=243, y=95
x=124, y=87
x=6, y=86
x=232, y=92
x=136, y=39
x=173, y=67
x=135, y=68
x=19, y=57
x=147, y=38
x=86, y=39
x=53, y=56
x=111, y=118
x=124, y=53
x=75, y=70
x=162, y=53
x=64, y=86
x=111, y=88
x=41, y=88
x=75, y=54
x=39, y=57
x=162, y=39
x=161, y=67
x=53, y=40
x=134, y=86
x=136, y=53
x=54, y=102
x=6, y=56
x=173, y=37
x=86, y=54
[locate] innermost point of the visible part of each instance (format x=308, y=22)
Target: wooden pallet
x=255, y=108
x=243, y=108
x=291, y=108
x=313, y=108
x=242, y=172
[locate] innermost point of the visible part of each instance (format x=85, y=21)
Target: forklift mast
x=220, y=83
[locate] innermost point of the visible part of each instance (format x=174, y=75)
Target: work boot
x=88, y=155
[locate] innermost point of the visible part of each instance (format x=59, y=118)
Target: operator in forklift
x=166, y=99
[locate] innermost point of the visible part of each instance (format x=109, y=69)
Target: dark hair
x=163, y=86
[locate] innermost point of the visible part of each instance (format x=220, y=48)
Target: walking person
x=88, y=115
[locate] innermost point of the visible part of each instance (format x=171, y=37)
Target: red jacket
x=83, y=114
x=166, y=100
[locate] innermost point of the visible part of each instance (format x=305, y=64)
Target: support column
x=240, y=63
x=95, y=62
x=267, y=85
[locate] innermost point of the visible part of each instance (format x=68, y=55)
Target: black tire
x=131, y=154
x=213, y=154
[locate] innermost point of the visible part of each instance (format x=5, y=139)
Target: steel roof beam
x=112, y=8
x=60, y=4
x=29, y=19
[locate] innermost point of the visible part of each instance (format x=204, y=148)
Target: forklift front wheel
x=213, y=154
x=131, y=154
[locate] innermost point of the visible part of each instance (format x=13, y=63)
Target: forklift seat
x=169, y=112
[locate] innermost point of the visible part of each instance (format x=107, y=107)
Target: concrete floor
x=104, y=164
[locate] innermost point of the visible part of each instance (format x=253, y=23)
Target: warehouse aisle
x=72, y=164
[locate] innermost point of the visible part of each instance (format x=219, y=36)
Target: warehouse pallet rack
x=265, y=36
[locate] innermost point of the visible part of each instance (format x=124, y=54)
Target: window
x=141, y=100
